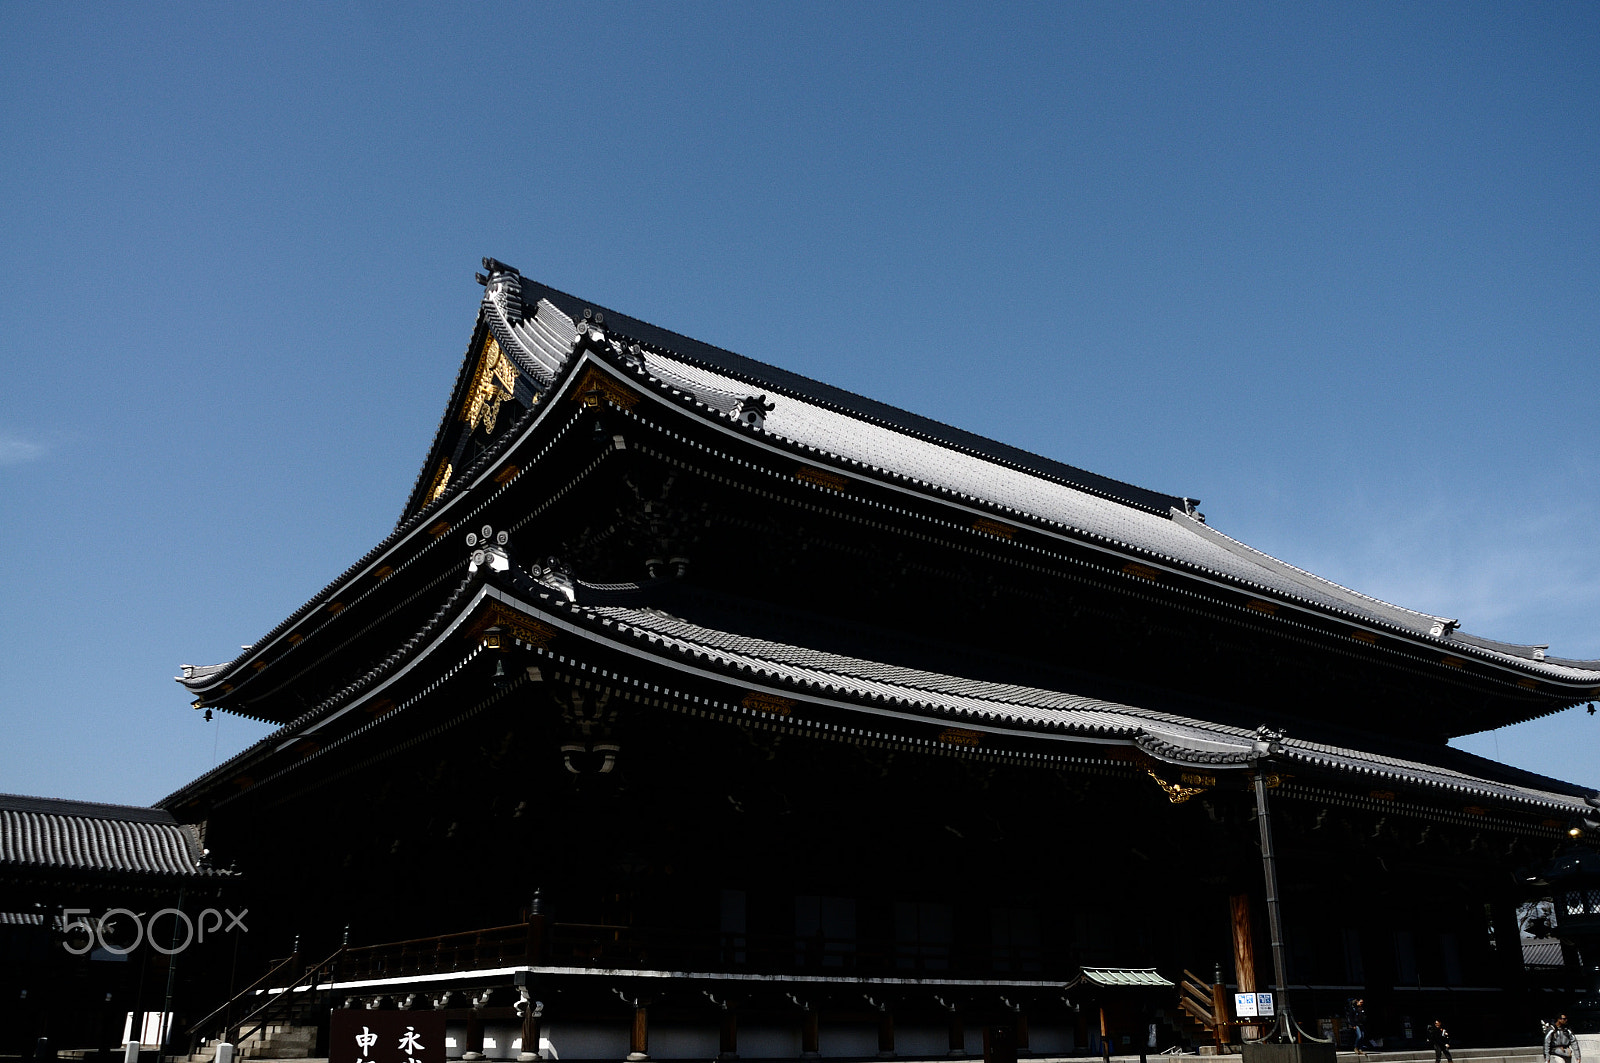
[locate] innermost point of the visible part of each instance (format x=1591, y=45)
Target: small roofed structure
x=1124, y=998
x=1120, y=978
x=79, y=882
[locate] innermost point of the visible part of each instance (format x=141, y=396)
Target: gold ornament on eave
x=493, y=382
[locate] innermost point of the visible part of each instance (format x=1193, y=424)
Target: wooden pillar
x=958, y=1034
x=1000, y=1043
x=532, y=1010
x=1219, y=1008
x=639, y=1038
x=1105, y=1038
x=1244, y=952
x=728, y=1039
x=1022, y=1032
x=885, y=1033
x=809, y=1033
x=474, y=1046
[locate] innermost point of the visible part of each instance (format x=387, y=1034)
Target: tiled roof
x=979, y=703
x=535, y=325
x=21, y=919
x=1164, y=735
x=1542, y=952
x=39, y=832
x=737, y=367
x=1123, y=977
x=876, y=436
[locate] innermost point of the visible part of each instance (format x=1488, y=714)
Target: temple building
x=695, y=708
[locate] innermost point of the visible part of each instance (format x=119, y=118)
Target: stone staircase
x=273, y=1042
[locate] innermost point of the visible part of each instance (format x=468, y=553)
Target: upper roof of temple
x=531, y=344
x=538, y=327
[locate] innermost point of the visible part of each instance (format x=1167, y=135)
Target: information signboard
x=386, y=1037
x=1244, y=1006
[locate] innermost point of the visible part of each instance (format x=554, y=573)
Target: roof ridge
x=842, y=400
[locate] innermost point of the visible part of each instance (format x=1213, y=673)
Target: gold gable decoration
x=493, y=382
x=441, y=480
x=1179, y=792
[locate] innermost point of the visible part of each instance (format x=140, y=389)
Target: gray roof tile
x=1164, y=735
x=48, y=833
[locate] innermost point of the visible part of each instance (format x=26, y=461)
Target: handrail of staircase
x=283, y=994
x=251, y=988
x=1195, y=997
x=1189, y=996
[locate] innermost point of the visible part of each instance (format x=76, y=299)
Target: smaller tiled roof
x=21, y=919
x=1122, y=978
x=1542, y=952
x=43, y=833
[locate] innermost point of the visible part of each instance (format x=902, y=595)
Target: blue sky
x=1333, y=269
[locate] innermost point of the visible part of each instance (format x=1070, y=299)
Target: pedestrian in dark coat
x=1357, y=1019
x=1439, y=1038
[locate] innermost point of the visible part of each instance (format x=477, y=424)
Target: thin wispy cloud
x=15, y=450
x=1528, y=575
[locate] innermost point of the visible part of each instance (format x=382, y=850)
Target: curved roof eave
x=1577, y=673
x=1437, y=634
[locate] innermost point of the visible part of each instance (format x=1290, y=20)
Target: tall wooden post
x=1022, y=1032
x=728, y=1039
x=532, y=1010
x=538, y=929
x=809, y=1033
x=639, y=1039
x=885, y=1032
x=1105, y=1038
x=1244, y=954
x=474, y=1046
x=958, y=1034
x=1219, y=1008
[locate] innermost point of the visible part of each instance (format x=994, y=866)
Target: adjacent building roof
x=42, y=833
x=1121, y=978
x=1542, y=952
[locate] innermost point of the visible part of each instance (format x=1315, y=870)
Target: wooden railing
x=1206, y=1004
x=602, y=945
x=498, y=946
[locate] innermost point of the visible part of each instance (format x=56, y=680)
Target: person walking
x=1357, y=1020
x=1439, y=1038
x=1559, y=1044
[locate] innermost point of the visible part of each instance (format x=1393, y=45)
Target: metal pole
x=172, y=969
x=1269, y=868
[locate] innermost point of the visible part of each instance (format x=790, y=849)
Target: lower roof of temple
x=840, y=697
